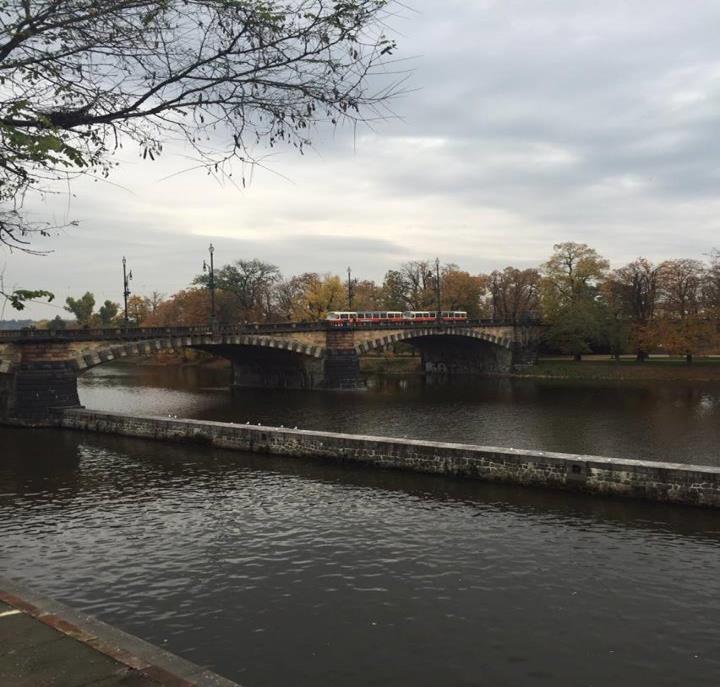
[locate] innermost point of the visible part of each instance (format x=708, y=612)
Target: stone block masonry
x=692, y=485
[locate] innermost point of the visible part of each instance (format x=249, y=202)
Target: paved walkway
x=46, y=644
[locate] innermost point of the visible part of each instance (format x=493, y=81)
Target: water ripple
x=277, y=572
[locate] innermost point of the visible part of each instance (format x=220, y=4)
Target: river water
x=671, y=421
x=275, y=571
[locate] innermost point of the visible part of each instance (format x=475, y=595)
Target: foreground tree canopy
x=80, y=77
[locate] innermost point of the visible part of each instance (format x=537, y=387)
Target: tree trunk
x=577, y=357
x=641, y=356
x=689, y=358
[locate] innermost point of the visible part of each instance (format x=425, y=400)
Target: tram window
x=343, y=316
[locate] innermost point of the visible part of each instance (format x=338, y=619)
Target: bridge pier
x=276, y=370
x=40, y=388
x=342, y=362
x=524, y=355
x=457, y=356
x=338, y=368
x=43, y=377
x=31, y=392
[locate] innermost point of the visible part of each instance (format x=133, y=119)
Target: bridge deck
x=140, y=333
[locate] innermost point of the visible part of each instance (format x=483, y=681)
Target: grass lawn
x=603, y=367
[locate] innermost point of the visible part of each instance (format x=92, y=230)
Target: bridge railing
x=143, y=333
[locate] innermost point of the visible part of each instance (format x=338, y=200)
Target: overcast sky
x=529, y=123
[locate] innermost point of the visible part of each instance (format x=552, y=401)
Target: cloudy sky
x=528, y=123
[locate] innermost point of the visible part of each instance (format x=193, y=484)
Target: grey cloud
x=530, y=123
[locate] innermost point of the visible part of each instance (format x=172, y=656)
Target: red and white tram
x=348, y=317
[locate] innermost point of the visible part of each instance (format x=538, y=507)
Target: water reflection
x=673, y=421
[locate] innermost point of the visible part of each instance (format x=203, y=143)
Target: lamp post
x=349, y=288
x=127, y=276
x=211, y=284
x=437, y=288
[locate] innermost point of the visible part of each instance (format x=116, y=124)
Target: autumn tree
x=153, y=301
x=681, y=283
x=514, y=294
x=367, y=295
x=711, y=286
x=309, y=296
x=412, y=287
x=81, y=307
x=192, y=307
x=322, y=295
x=107, y=312
x=394, y=291
x=251, y=282
x=632, y=290
x=683, y=329
x=290, y=295
x=459, y=290
x=685, y=337
x=80, y=77
x=569, y=292
x=139, y=309
x=632, y=293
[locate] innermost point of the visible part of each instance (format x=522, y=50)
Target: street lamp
x=127, y=276
x=211, y=284
x=437, y=288
x=349, y=288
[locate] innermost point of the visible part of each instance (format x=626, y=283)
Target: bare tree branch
x=77, y=77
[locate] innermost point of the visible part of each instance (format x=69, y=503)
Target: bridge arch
x=450, y=350
x=91, y=357
x=385, y=342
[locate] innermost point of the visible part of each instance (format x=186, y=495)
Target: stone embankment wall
x=665, y=482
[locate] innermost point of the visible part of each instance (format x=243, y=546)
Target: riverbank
x=590, y=368
x=43, y=642
x=596, y=368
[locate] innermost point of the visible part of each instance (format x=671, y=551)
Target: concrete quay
x=676, y=483
x=46, y=644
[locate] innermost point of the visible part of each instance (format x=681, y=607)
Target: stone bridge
x=39, y=368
